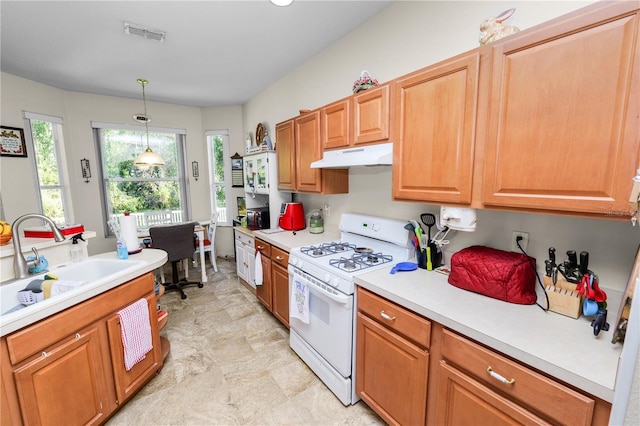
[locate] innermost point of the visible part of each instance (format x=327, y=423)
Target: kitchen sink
x=91, y=272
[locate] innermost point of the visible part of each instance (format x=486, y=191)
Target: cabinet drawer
x=405, y=322
x=245, y=239
x=35, y=338
x=542, y=394
x=265, y=248
x=279, y=256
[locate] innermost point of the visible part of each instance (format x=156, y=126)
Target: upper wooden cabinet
x=336, y=124
x=363, y=118
x=564, y=114
x=372, y=115
x=298, y=145
x=434, y=131
x=286, y=156
x=307, y=150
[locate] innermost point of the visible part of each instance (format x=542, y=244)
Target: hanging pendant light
x=147, y=158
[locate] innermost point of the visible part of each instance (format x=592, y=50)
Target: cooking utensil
x=429, y=262
x=404, y=266
x=429, y=219
x=584, y=262
x=589, y=308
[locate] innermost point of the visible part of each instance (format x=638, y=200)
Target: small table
x=199, y=230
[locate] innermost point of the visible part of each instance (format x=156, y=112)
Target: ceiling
x=216, y=53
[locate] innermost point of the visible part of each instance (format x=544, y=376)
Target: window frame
x=183, y=171
x=226, y=167
x=61, y=163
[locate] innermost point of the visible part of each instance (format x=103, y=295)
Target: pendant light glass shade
x=147, y=158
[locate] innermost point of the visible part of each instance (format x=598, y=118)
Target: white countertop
x=558, y=345
x=148, y=260
x=287, y=240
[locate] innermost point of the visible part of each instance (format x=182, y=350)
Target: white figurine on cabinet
x=493, y=29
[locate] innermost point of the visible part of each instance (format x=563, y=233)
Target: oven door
x=330, y=328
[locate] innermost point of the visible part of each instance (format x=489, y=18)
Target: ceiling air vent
x=144, y=32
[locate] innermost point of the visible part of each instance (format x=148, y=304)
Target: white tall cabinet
x=245, y=257
x=261, y=183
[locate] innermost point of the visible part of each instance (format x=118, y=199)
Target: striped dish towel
x=136, y=332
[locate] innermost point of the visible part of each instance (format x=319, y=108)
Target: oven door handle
x=343, y=300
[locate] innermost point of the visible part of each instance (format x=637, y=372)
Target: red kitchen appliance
x=292, y=217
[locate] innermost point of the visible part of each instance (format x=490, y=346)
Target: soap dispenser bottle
x=77, y=253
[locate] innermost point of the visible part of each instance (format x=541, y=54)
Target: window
x=219, y=173
x=129, y=188
x=51, y=173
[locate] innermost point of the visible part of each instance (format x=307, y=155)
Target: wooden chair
x=177, y=240
x=209, y=243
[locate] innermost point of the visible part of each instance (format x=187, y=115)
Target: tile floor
x=230, y=364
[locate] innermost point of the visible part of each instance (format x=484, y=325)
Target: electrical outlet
x=326, y=210
x=524, y=242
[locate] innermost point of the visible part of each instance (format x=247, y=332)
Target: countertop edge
x=151, y=258
x=529, y=358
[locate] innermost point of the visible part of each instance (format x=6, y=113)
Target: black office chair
x=177, y=240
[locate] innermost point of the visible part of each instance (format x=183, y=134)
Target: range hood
x=368, y=155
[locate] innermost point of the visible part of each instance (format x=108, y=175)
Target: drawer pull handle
x=279, y=258
x=499, y=377
x=384, y=315
x=44, y=354
x=78, y=336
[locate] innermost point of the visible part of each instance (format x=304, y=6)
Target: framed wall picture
x=12, y=142
x=236, y=171
x=242, y=206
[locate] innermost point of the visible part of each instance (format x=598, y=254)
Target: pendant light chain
x=148, y=157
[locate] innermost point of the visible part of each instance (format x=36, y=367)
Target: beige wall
x=404, y=37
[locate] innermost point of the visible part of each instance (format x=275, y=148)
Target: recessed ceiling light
x=282, y=2
x=144, y=32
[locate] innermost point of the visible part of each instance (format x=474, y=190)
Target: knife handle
x=584, y=262
x=573, y=259
x=552, y=255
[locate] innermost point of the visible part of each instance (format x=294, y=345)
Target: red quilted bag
x=495, y=273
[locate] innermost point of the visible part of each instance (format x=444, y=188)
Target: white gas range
x=321, y=294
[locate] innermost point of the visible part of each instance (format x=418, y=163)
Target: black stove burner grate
x=326, y=249
x=358, y=262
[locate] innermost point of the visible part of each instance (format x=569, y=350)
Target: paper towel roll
x=129, y=233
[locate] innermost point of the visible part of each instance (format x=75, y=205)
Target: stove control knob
x=327, y=278
x=293, y=261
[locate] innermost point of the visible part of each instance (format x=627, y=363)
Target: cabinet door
x=286, y=156
x=280, y=277
x=464, y=401
x=391, y=374
x=371, y=109
x=241, y=261
x=76, y=362
x=434, y=132
x=250, y=256
x=128, y=382
x=307, y=150
x=263, y=292
x=565, y=113
x=336, y=124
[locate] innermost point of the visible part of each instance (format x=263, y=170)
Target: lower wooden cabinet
x=413, y=371
x=391, y=370
x=69, y=367
x=274, y=291
x=280, y=279
x=67, y=383
x=128, y=382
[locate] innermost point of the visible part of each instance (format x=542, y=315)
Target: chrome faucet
x=20, y=264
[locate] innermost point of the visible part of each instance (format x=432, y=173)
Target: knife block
x=563, y=298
